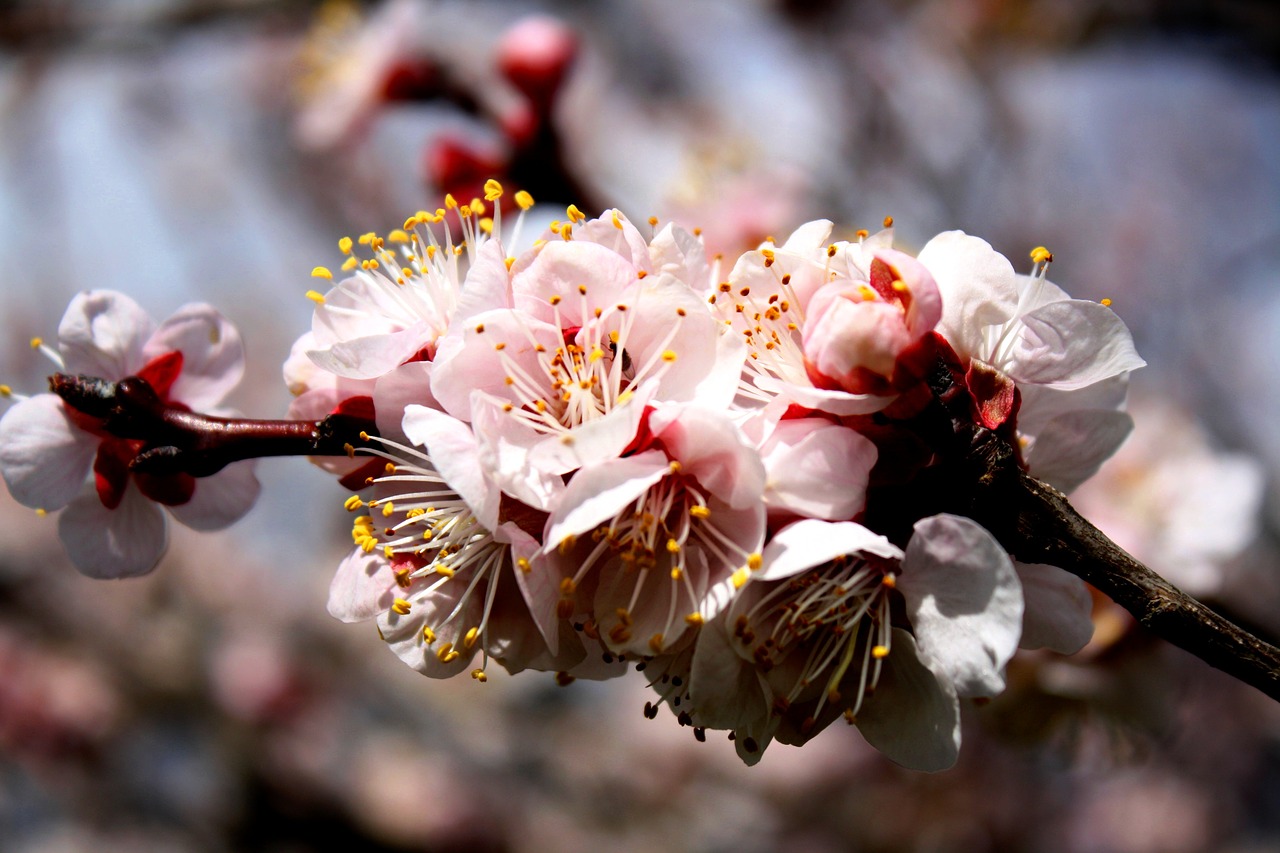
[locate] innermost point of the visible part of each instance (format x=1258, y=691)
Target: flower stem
x=174, y=440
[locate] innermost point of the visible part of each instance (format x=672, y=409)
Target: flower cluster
x=610, y=450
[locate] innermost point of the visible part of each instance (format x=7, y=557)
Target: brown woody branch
x=175, y=440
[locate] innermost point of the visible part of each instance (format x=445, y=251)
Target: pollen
x=345, y=244
x=739, y=578
x=478, y=675
x=700, y=512
x=655, y=643
x=524, y=200
x=668, y=355
x=522, y=563
x=400, y=606
x=879, y=652
x=1041, y=255
x=673, y=546
x=36, y=343
x=321, y=272
x=1106, y=303
x=492, y=190
x=888, y=222
x=755, y=561
x=353, y=503
x=6, y=391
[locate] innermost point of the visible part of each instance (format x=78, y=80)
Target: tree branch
x=175, y=440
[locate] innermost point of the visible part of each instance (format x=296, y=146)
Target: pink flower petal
x=212, y=355
x=363, y=587
x=102, y=334
x=123, y=542
x=221, y=499
x=44, y=456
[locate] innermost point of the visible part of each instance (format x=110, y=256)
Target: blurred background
x=214, y=150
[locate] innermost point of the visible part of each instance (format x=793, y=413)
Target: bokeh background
x=214, y=150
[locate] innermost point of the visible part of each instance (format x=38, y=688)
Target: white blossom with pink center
x=561, y=378
x=647, y=545
x=1022, y=331
x=818, y=330
x=812, y=639
x=113, y=525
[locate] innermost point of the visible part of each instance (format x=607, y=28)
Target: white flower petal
x=221, y=499
x=407, y=385
x=371, y=356
x=598, y=493
x=832, y=402
x=113, y=543
x=817, y=469
x=964, y=602
x=711, y=449
x=1058, y=609
x=913, y=717
x=102, y=334
x=363, y=587
x=809, y=542
x=1072, y=446
x=455, y=454
x=212, y=355
x=977, y=284
x=724, y=689
x=1069, y=345
x=44, y=457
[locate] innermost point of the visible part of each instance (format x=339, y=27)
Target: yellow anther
x=888, y=222
x=566, y=231
x=668, y=355
x=524, y=200
x=509, y=262
x=389, y=552
x=555, y=299
x=492, y=190
x=831, y=250
x=36, y=343
x=522, y=563
x=477, y=207
x=889, y=580
x=464, y=211
x=700, y=512
x=321, y=272
x=428, y=636
x=617, y=221
x=755, y=561
x=41, y=512
x=486, y=225
x=655, y=643
x=345, y=245
x=879, y=652
x=694, y=618
x=316, y=296
x=364, y=436
x=867, y=294
x=469, y=639
x=653, y=221
x=596, y=354
x=401, y=606
x=350, y=450
x=446, y=653
x=862, y=233
x=443, y=570
x=398, y=236
x=677, y=574
x=899, y=285
x=449, y=201
x=350, y=263
x=675, y=466
x=574, y=214
x=1041, y=255
x=366, y=238
x=567, y=586
x=739, y=578
x=1105, y=302
x=388, y=510
x=673, y=546
x=353, y=503
x=478, y=675
x=6, y=391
